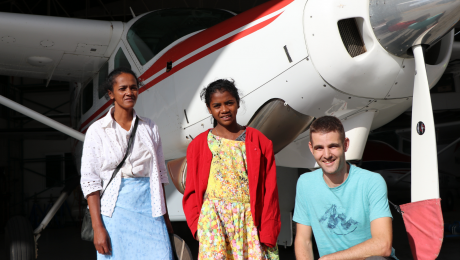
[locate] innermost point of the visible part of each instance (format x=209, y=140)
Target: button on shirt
x=105, y=147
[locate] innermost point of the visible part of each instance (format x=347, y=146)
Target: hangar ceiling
x=116, y=10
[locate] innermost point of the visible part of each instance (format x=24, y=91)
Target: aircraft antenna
x=132, y=12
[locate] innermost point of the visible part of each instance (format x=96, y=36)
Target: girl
x=231, y=197
x=134, y=219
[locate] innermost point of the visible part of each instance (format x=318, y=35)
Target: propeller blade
x=424, y=161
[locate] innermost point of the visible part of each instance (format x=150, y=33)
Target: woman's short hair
x=110, y=80
x=220, y=85
x=327, y=124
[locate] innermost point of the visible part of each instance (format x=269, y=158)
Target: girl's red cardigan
x=263, y=190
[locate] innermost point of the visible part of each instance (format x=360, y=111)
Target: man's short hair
x=327, y=124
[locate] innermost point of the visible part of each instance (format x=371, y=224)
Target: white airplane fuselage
x=321, y=78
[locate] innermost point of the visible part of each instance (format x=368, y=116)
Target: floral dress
x=225, y=228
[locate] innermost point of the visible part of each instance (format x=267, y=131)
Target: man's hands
x=102, y=241
x=378, y=245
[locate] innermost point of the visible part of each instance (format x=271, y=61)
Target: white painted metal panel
x=78, y=67
x=387, y=109
x=305, y=91
x=251, y=61
x=370, y=74
x=357, y=129
x=404, y=83
x=159, y=104
x=14, y=61
x=23, y=36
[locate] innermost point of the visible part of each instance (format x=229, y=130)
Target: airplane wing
x=55, y=48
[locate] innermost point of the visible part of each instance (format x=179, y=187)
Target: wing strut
x=41, y=118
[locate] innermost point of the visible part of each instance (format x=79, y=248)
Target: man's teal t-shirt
x=341, y=217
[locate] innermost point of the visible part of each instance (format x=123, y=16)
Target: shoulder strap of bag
x=130, y=142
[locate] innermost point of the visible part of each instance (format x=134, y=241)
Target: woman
x=130, y=221
x=231, y=197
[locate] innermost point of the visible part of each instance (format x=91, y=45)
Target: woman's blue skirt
x=133, y=232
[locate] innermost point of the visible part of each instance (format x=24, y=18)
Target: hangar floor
x=65, y=243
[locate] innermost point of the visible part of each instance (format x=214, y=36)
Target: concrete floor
x=65, y=243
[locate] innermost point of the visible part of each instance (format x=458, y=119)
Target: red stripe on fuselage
x=100, y=110
x=208, y=51
x=201, y=39
x=213, y=33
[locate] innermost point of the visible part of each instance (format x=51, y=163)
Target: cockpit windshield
x=155, y=31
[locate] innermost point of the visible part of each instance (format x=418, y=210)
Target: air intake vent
x=351, y=37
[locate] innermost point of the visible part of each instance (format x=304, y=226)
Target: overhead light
x=39, y=61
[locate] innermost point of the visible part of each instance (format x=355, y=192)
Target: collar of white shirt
x=108, y=120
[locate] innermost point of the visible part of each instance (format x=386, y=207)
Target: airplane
x=365, y=62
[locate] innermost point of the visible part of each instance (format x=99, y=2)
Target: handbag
x=87, y=232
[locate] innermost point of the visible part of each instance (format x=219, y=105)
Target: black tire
x=19, y=238
x=182, y=249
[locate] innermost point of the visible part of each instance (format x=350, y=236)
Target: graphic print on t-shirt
x=337, y=222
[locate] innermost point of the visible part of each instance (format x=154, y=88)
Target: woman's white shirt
x=104, y=149
x=138, y=161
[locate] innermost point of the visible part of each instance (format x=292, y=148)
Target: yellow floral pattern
x=225, y=228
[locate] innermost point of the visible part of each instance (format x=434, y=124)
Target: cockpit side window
x=103, y=73
x=121, y=60
x=87, y=97
x=155, y=31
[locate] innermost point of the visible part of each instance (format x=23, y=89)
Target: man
x=346, y=207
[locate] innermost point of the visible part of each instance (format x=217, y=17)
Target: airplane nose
x=399, y=25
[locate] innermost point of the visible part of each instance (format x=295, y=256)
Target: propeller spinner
x=400, y=25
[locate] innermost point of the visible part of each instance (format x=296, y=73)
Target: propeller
x=429, y=21
x=423, y=216
x=424, y=162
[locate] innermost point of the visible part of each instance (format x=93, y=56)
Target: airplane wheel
x=182, y=250
x=19, y=239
